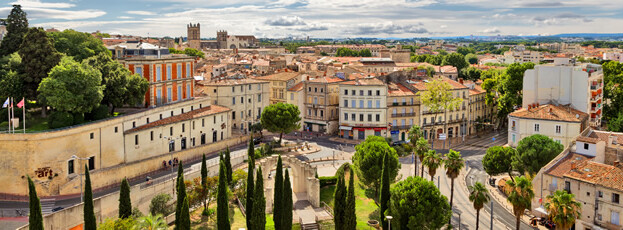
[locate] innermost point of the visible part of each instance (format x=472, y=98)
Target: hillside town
x=215, y=130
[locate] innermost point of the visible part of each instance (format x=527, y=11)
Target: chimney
x=574, y=165
x=461, y=80
x=616, y=163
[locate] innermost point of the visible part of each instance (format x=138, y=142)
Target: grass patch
x=365, y=207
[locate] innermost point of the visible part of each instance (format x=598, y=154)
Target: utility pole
x=491, y=223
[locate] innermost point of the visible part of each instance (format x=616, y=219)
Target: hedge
x=327, y=180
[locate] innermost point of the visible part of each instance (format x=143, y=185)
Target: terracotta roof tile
x=564, y=165
x=296, y=87
x=326, y=80
x=205, y=111
x=283, y=76
x=397, y=89
x=551, y=112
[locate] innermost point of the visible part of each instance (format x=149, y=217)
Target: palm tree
x=150, y=222
x=432, y=160
x=479, y=197
x=563, y=209
x=420, y=148
x=453, y=163
x=520, y=196
x=415, y=133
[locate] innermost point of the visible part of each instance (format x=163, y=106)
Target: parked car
x=57, y=209
x=257, y=140
x=398, y=143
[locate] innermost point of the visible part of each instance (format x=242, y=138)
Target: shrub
x=78, y=118
x=98, y=113
x=59, y=119
x=327, y=180
x=159, y=205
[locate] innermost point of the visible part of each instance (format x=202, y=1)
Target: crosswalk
x=47, y=205
x=497, y=139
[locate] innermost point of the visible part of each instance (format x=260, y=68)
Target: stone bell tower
x=194, y=36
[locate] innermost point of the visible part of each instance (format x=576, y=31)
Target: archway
x=232, y=46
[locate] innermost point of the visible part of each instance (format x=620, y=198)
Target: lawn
x=365, y=207
x=237, y=220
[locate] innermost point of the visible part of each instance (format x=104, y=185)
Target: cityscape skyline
x=319, y=19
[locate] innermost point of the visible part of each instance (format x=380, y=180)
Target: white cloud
x=39, y=4
x=140, y=12
x=493, y=30
x=286, y=21
x=124, y=17
x=387, y=29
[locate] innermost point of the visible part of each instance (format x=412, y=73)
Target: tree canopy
x=416, y=203
x=498, y=160
x=11, y=72
x=534, y=152
x=38, y=58
x=455, y=59
x=281, y=118
x=77, y=44
x=505, y=88
x=368, y=161
x=17, y=27
x=72, y=87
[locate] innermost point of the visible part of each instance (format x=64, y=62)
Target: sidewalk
x=502, y=200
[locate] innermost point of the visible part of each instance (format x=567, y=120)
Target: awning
x=541, y=210
x=346, y=128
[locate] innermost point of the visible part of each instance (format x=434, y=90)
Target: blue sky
x=327, y=18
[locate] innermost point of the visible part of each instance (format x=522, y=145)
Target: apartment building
x=296, y=96
x=363, y=109
x=246, y=97
x=480, y=113
x=561, y=123
x=511, y=57
x=170, y=76
x=590, y=169
x=403, y=110
x=280, y=83
x=565, y=83
x=321, y=109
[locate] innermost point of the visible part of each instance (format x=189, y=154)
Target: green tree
x=471, y=73
x=278, y=195
x=89, y=216
x=282, y=118
x=421, y=148
x=350, y=217
x=16, y=27
x=455, y=59
x=72, y=87
x=613, y=93
x=479, y=197
x=159, y=205
x=471, y=58
x=508, y=86
x=11, y=76
x=453, y=163
x=365, y=53
x=417, y=204
x=385, y=195
x=204, y=182
x=181, y=193
x=250, y=184
x=534, y=152
x=368, y=162
x=498, y=160
x=465, y=50
x=258, y=215
x=228, y=165
x=563, y=209
x=432, y=160
x=520, y=197
x=222, y=201
x=615, y=124
x=438, y=98
x=78, y=45
x=125, y=204
x=415, y=133
x=339, y=202
x=194, y=53
x=286, y=223
x=35, y=219
x=151, y=222
x=184, y=222
x=38, y=58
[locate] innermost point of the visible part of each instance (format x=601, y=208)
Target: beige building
x=561, y=123
x=403, y=110
x=321, y=109
x=589, y=168
x=363, y=109
x=280, y=83
x=246, y=97
x=480, y=114
x=296, y=96
x=125, y=146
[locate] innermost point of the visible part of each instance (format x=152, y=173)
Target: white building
x=580, y=86
x=363, y=109
x=511, y=57
x=614, y=56
x=561, y=123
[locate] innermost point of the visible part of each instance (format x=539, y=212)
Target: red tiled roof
x=551, y=112
x=397, y=89
x=296, y=87
x=364, y=81
x=565, y=164
x=283, y=76
x=205, y=111
x=601, y=135
x=326, y=80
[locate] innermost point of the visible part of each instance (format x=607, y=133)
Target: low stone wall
x=141, y=195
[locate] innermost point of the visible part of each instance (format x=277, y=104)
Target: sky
x=326, y=18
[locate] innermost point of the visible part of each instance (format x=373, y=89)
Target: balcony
x=430, y=124
x=401, y=127
x=401, y=104
x=403, y=114
x=430, y=112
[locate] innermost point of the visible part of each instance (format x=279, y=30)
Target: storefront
x=346, y=132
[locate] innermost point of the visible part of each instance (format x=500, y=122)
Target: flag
x=20, y=104
x=6, y=103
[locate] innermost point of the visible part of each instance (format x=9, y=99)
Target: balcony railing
x=401, y=127
x=403, y=114
x=401, y=104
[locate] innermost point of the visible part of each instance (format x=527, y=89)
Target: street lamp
x=389, y=222
x=170, y=139
x=74, y=157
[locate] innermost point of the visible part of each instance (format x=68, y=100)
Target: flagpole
x=8, y=110
x=12, y=114
x=24, y=112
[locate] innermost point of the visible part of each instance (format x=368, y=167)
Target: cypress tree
x=35, y=219
x=278, y=196
x=204, y=182
x=38, y=58
x=350, y=218
x=89, y=215
x=17, y=27
x=184, y=223
x=384, y=196
x=339, y=201
x=258, y=215
x=125, y=204
x=228, y=166
x=181, y=193
x=222, y=205
x=249, y=199
x=287, y=203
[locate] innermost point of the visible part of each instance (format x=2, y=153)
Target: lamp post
x=169, y=140
x=74, y=157
x=389, y=222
